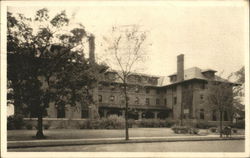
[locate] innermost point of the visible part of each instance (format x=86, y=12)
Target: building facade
x=178, y=96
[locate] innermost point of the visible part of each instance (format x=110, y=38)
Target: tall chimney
x=180, y=67
x=91, y=49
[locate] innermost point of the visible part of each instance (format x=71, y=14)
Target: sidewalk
x=66, y=142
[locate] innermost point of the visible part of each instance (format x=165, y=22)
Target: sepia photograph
x=125, y=78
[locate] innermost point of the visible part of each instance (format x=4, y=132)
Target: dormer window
x=173, y=78
x=209, y=73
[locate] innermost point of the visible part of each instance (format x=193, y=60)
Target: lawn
x=90, y=133
x=95, y=133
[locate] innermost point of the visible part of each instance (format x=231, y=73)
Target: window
x=147, y=101
x=202, y=96
x=136, y=100
x=202, y=116
x=185, y=86
x=157, y=101
x=214, y=116
x=85, y=113
x=202, y=85
x=61, y=112
x=137, y=89
x=174, y=89
x=175, y=100
x=147, y=90
x=165, y=101
x=111, y=98
x=157, y=91
x=100, y=98
x=112, y=86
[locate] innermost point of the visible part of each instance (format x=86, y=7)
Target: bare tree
x=125, y=49
x=220, y=97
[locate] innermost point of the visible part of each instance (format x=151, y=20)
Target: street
x=189, y=146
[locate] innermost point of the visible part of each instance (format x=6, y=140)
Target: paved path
x=193, y=146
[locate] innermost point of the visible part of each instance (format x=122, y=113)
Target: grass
x=93, y=134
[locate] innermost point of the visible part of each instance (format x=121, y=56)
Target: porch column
x=123, y=113
x=90, y=112
x=140, y=115
x=105, y=113
x=155, y=114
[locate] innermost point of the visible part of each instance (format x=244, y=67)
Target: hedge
x=15, y=122
x=116, y=122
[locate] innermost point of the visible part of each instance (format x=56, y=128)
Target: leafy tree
x=46, y=63
x=239, y=92
x=125, y=49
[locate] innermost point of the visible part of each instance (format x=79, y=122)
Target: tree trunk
x=126, y=112
x=39, y=134
x=220, y=123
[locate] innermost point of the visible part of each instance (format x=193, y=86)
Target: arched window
x=136, y=100
x=100, y=98
x=157, y=101
x=111, y=98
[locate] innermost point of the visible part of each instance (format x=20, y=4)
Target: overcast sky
x=210, y=36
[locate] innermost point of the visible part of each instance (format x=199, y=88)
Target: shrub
x=85, y=124
x=169, y=123
x=194, y=131
x=234, y=130
x=213, y=129
x=132, y=123
x=15, y=122
x=112, y=122
x=181, y=129
x=29, y=126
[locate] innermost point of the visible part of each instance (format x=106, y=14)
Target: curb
x=71, y=142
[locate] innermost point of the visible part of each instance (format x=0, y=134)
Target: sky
x=209, y=35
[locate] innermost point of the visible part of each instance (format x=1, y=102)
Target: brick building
x=171, y=97
x=179, y=95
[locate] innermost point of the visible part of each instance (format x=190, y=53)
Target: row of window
x=147, y=101
x=132, y=78
x=138, y=89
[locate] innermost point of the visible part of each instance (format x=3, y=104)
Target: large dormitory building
x=159, y=97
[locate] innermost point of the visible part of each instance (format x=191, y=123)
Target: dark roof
x=189, y=74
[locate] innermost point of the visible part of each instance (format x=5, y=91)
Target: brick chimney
x=91, y=49
x=180, y=67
